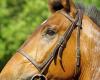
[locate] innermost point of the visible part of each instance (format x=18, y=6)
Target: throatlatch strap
x=78, y=53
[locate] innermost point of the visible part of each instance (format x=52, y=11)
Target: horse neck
x=90, y=45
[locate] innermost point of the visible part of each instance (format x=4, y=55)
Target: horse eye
x=50, y=32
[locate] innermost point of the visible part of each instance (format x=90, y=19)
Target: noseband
x=58, y=50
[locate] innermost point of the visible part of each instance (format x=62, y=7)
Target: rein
x=58, y=50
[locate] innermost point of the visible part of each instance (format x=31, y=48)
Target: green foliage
x=18, y=19
x=90, y=2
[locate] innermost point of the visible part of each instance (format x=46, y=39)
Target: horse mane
x=90, y=11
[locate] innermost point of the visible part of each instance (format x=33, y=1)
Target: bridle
x=58, y=50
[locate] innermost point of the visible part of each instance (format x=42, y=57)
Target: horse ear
x=67, y=5
x=55, y=5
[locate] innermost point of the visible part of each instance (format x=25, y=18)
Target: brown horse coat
x=41, y=43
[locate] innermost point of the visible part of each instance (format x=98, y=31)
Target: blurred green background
x=18, y=19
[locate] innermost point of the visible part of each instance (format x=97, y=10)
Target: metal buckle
x=39, y=77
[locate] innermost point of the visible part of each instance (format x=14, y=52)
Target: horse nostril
x=38, y=77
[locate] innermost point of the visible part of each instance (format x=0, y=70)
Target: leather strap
x=78, y=53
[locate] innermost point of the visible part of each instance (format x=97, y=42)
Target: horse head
x=61, y=48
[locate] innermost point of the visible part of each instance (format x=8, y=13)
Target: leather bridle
x=58, y=50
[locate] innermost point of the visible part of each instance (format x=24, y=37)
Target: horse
x=66, y=46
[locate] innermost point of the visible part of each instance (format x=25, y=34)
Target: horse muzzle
x=38, y=77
